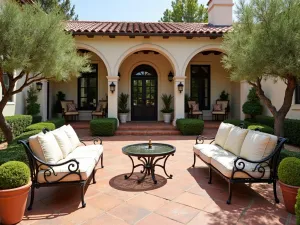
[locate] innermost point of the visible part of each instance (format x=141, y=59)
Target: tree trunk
x=279, y=125
x=6, y=129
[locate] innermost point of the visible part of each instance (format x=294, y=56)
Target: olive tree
x=265, y=44
x=33, y=47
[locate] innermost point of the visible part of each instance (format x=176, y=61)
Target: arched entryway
x=144, y=93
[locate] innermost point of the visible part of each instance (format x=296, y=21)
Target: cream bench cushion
x=63, y=141
x=86, y=167
x=91, y=151
x=206, y=151
x=225, y=164
x=71, y=135
x=223, y=133
x=36, y=147
x=235, y=140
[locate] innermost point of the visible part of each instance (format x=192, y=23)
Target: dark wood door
x=144, y=94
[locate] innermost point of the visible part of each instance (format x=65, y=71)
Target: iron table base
x=149, y=164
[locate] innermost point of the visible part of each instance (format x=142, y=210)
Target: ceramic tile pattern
x=186, y=199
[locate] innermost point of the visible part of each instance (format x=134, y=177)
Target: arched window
x=144, y=70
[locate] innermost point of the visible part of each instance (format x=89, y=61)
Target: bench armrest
x=95, y=140
x=201, y=139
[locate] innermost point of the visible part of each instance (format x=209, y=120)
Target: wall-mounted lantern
x=112, y=87
x=39, y=86
x=170, y=76
x=180, y=87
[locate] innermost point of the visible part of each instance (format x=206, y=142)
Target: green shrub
x=58, y=122
x=190, y=126
x=286, y=153
x=289, y=171
x=291, y=128
x=237, y=122
x=103, y=126
x=32, y=107
x=261, y=128
x=18, y=124
x=297, y=208
x=40, y=126
x=13, y=152
x=36, y=119
x=252, y=106
x=13, y=174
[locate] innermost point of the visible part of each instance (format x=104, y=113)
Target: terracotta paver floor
x=185, y=199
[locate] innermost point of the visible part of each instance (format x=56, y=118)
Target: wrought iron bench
x=76, y=169
x=236, y=168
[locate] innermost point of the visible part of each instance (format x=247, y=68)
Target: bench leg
x=275, y=192
x=31, y=197
x=94, y=180
x=230, y=193
x=102, y=161
x=82, y=194
x=210, y=174
x=194, y=160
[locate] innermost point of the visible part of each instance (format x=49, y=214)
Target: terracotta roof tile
x=141, y=29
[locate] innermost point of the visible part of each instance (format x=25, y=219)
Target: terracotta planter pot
x=289, y=196
x=13, y=203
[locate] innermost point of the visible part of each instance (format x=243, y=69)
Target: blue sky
x=122, y=10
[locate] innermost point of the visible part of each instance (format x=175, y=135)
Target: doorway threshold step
x=147, y=132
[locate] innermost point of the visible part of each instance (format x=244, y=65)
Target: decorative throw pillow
x=195, y=107
x=71, y=135
x=218, y=107
x=71, y=107
x=63, y=141
x=99, y=108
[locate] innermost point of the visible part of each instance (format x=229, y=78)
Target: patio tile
x=194, y=201
x=158, y=220
x=104, y=202
x=253, y=217
x=129, y=213
x=123, y=195
x=147, y=201
x=106, y=219
x=178, y=212
x=167, y=192
x=205, y=218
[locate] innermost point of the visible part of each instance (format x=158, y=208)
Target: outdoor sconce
x=180, y=87
x=39, y=86
x=112, y=87
x=170, y=76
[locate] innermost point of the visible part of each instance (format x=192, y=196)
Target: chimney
x=220, y=12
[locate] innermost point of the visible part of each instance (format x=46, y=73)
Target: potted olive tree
x=289, y=180
x=14, y=187
x=123, y=107
x=167, y=110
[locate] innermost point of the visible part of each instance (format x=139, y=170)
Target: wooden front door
x=144, y=94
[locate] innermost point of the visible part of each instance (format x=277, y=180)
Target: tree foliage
x=34, y=47
x=185, y=11
x=64, y=6
x=264, y=44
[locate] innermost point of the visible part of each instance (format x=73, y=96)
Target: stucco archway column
x=112, y=97
x=178, y=98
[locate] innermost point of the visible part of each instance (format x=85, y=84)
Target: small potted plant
x=289, y=180
x=123, y=107
x=167, y=110
x=14, y=187
x=224, y=96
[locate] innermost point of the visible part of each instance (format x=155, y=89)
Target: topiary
x=261, y=128
x=224, y=96
x=13, y=174
x=190, y=126
x=252, y=106
x=289, y=171
x=32, y=107
x=297, y=208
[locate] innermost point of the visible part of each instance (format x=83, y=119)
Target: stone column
x=178, y=98
x=112, y=97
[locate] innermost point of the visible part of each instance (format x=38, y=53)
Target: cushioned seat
x=71, y=113
x=219, y=112
x=197, y=113
x=97, y=113
x=90, y=151
x=225, y=163
x=86, y=167
x=206, y=151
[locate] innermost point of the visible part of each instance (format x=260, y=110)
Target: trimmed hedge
x=50, y=125
x=190, y=126
x=18, y=124
x=13, y=174
x=103, y=126
x=251, y=126
x=58, y=122
x=291, y=128
x=36, y=119
x=289, y=171
x=286, y=153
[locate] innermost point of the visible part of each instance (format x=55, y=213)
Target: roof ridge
x=99, y=21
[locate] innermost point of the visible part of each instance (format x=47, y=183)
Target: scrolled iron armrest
x=94, y=140
x=203, y=138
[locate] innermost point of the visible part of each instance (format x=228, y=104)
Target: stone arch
x=201, y=49
x=97, y=52
x=152, y=47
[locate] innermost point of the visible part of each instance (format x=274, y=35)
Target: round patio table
x=149, y=154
